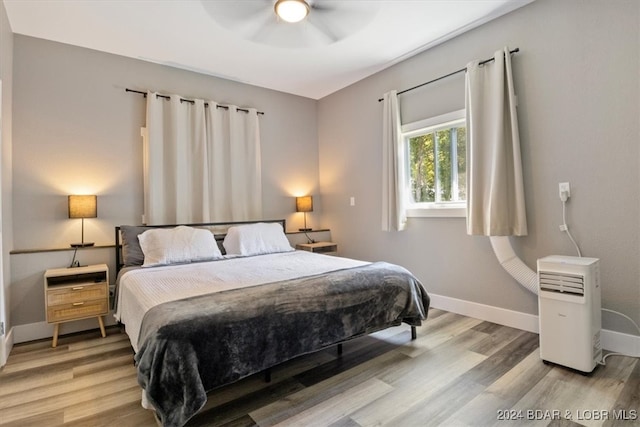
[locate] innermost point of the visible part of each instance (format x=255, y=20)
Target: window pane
x=462, y=162
x=422, y=168
x=444, y=164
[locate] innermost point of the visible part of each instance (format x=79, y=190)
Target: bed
x=205, y=305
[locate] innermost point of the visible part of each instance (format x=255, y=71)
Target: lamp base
x=82, y=245
x=304, y=229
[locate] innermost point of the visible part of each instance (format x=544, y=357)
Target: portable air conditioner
x=569, y=311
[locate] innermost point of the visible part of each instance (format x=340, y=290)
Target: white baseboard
x=620, y=343
x=42, y=330
x=7, y=342
x=611, y=340
x=501, y=316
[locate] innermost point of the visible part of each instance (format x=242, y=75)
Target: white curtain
x=201, y=163
x=495, y=198
x=394, y=217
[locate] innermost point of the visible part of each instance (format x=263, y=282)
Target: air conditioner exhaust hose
x=514, y=265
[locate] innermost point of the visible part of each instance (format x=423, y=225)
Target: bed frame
x=148, y=363
x=219, y=237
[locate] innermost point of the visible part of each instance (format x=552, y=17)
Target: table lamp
x=83, y=207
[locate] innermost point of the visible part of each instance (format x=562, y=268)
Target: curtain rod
x=516, y=50
x=226, y=107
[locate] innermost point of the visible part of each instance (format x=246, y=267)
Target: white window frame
x=431, y=209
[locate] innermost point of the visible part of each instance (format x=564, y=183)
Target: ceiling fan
x=311, y=23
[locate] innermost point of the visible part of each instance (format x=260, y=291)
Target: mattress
x=140, y=289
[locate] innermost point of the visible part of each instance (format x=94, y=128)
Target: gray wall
x=75, y=129
x=577, y=82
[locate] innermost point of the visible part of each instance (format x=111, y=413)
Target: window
x=436, y=150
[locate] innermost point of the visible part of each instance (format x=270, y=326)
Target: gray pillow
x=132, y=254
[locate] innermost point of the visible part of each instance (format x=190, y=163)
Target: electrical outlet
x=564, y=190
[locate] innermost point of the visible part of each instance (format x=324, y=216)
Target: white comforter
x=141, y=289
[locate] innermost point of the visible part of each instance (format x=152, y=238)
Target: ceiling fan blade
x=262, y=29
x=339, y=19
x=242, y=15
x=326, y=30
x=325, y=4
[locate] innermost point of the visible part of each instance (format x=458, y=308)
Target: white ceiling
x=338, y=44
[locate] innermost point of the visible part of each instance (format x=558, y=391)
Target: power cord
x=309, y=239
x=564, y=227
x=604, y=359
x=74, y=261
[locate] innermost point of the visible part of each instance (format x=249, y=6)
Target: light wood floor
x=460, y=371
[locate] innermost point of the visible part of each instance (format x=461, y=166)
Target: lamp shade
x=83, y=206
x=304, y=204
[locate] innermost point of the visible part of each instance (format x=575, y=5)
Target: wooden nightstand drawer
x=77, y=310
x=77, y=293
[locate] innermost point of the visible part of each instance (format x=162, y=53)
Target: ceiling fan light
x=291, y=10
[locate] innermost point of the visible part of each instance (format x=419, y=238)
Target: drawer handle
x=78, y=288
x=78, y=303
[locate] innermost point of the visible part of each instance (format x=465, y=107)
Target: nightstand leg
x=56, y=329
x=101, y=322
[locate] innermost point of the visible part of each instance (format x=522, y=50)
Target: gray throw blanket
x=191, y=346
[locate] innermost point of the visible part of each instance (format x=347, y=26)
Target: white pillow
x=256, y=239
x=181, y=244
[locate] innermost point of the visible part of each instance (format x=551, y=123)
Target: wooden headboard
x=223, y=226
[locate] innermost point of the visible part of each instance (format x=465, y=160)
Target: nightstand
x=327, y=248
x=76, y=293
